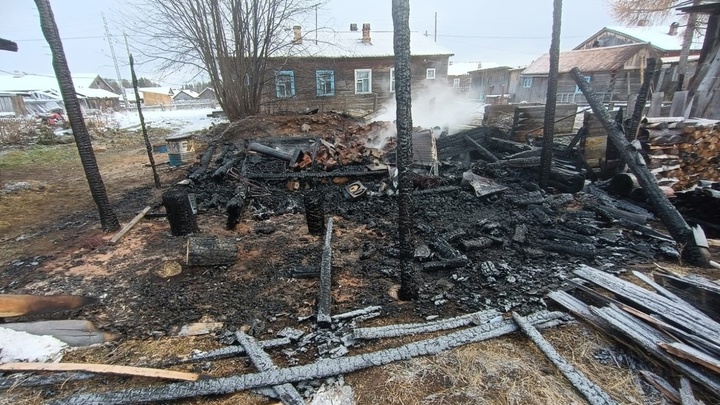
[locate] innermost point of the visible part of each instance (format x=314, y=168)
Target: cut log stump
x=179, y=212
x=210, y=251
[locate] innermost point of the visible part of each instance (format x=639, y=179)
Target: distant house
x=208, y=94
x=458, y=76
x=185, y=95
x=156, y=96
x=347, y=70
x=495, y=85
x=614, y=73
x=93, y=92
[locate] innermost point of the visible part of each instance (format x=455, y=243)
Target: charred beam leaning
x=320, y=369
x=591, y=391
x=631, y=133
x=323, y=313
x=675, y=223
x=262, y=361
x=486, y=154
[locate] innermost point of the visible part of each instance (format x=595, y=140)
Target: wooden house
x=156, y=96
x=495, y=85
x=347, y=70
x=614, y=73
x=459, y=77
x=208, y=94
x=185, y=95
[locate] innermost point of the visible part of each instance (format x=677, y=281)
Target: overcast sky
x=511, y=32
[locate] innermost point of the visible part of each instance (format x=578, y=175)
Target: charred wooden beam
x=323, y=312
x=200, y=171
x=591, y=391
x=477, y=244
x=222, y=353
x=704, y=296
x=554, y=233
x=436, y=190
x=236, y=205
x=320, y=369
x=661, y=385
x=533, y=197
x=645, y=230
x=516, y=163
x=612, y=213
x=291, y=157
x=505, y=145
x=314, y=213
x=356, y=313
x=675, y=223
x=551, y=98
x=639, y=106
x=453, y=263
x=576, y=249
x=581, y=133
x=486, y=154
x=444, y=248
x=179, y=212
x=228, y=163
x=315, y=175
x=20, y=381
x=262, y=361
x=408, y=329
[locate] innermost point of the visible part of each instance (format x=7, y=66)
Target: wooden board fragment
x=129, y=226
x=690, y=353
x=661, y=385
x=102, y=369
x=19, y=305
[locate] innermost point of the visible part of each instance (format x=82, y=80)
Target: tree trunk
x=148, y=147
x=401, y=43
x=108, y=219
x=551, y=99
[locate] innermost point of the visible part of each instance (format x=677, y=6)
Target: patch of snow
x=183, y=121
x=336, y=394
x=23, y=347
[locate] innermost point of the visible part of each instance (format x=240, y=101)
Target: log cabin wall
x=344, y=96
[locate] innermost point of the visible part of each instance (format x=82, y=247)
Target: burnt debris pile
x=486, y=235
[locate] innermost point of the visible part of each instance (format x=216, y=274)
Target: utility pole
x=436, y=26
x=117, y=69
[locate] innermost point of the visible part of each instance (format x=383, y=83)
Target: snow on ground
x=21, y=346
x=183, y=121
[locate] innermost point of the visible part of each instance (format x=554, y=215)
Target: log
x=129, y=226
x=516, y=163
x=356, y=313
x=286, y=392
x=210, y=251
x=26, y=304
x=179, y=212
x=199, y=173
x=23, y=380
x=452, y=263
x=102, y=369
x=324, y=320
x=320, y=369
x=661, y=385
x=507, y=146
x=73, y=332
x=486, y=154
x=594, y=394
x=674, y=222
x=408, y=329
x=623, y=184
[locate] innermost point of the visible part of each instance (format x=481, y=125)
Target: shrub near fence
x=17, y=131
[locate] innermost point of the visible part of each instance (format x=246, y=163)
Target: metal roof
x=28, y=82
x=587, y=60
x=349, y=44
x=658, y=36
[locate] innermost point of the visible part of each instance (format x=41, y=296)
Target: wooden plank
x=686, y=393
x=129, y=226
x=25, y=304
x=102, y=369
x=591, y=391
x=661, y=385
x=690, y=353
x=324, y=300
x=703, y=296
x=656, y=104
x=679, y=101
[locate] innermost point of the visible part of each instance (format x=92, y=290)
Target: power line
x=64, y=39
x=503, y=37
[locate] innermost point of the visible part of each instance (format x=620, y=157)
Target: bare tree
x=228, y=41
x=108, y=219
x=642, y=12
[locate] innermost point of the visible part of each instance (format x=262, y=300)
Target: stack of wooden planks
x=683, y=153
x=660, y=325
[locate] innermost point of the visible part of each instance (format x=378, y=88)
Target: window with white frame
x=430, y=74
x=285, y=84
x=527, y=82
x=392, y=80
x=456, y=83
x=577, y=88
x=325, y=82
x=363, y=81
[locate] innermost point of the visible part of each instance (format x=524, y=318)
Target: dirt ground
x=52, y=244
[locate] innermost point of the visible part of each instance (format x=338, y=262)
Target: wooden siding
x=491, y=82
x=344, y=98
x=182, y=96
x=150, y=98
x=612, y=86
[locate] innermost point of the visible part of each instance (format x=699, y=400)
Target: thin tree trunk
x=108, y=219
x=148, y=147
x=401, y=25
x=551, y=99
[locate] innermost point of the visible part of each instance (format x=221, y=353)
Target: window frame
x=285, y=73
x=427, y=73
x=526, y=82
x=331, y=74
x=587, y=79
x=369, y=81
x=392, y=80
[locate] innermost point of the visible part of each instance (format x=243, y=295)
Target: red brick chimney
x=297, y=34
x=366, y=33
x=673, y=29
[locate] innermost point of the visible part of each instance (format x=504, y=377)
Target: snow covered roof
x=32, y=83
x=676, y=59
x=603, y=59
x=190, y=93
x=349, y=44
x=657, y=36
x=159, y=90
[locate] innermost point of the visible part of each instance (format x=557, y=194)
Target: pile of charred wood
x=677, y=325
